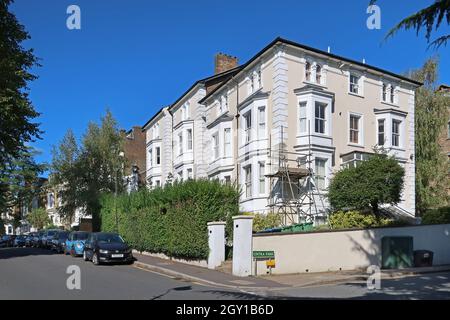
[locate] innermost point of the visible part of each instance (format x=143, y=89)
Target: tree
x=431, y=116
x=371, y=183
x=17, y=166
x=38, y=218
x=428, y=18
x=16, y=110
x=18, y=180
x=83, y=172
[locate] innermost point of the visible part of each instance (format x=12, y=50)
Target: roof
x=152, y=118
x=205, y=80
x=280, y=40
x=201, y=81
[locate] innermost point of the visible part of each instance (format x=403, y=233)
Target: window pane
x=262, y=179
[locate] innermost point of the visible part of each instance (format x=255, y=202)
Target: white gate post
x=216, y=241
x=242, y=245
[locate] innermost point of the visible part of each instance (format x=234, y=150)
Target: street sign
x=264, y=254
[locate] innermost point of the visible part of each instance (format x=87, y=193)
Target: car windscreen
x=109, y=238
x=51, y=233
x=80, y=236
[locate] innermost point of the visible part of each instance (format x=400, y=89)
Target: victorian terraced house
x=290, y=107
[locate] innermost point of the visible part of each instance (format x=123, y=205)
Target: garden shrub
x=436, y=216
x=171, y=220
x=266, y=221
x=356, y=219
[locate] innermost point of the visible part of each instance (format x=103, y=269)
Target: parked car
x=4, y=240
x=58, y=241
x=7, y=240
x=75, y=243
x=102, y=247
x=19, y=241
x=37, y=239
x=29, y=239
x=47, y=238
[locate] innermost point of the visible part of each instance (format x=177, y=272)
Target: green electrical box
x=397, y=252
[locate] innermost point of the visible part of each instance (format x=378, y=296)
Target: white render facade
x=300, y=100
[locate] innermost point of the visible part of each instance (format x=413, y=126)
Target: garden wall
x=345, y=250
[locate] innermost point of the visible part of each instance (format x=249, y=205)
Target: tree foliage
x=18, y=170
x=376, y=181
x=16, y=109
x=431, y=116
x=428, y=18
x=81, y=172
x=39, y=218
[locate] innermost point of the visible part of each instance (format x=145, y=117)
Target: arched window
x=308, y=71
x=318, y=73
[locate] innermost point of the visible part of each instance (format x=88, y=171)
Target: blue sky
x=135, y=56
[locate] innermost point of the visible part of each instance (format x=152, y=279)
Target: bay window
x=320, y=173
x=227, y=142
x=261, y=122
x=396, y=133
x=302, y=117
x=189, y=139
x=248, y=181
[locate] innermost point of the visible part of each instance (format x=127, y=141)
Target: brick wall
x=134, y=150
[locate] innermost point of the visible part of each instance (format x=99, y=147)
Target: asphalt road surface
x=28, y=273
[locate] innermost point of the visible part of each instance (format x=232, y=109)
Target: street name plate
x=264, y=254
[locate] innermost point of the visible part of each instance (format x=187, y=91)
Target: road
x=28, y=273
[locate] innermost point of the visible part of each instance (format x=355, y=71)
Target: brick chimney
x=224, y=62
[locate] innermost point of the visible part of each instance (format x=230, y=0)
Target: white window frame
x=324, y=119
x=158, y=155
x=248, y=181
x=262, y=178
x=319, y=177
x=262, y=122
x=227, y=142
x=180, y=143
x=384, y=131
x=360, y=131
x=215, y=145
x=302, y=105
x=189, y=140
x=150, y=152
x=398, y=134
x=247, y=117
x=353, y=85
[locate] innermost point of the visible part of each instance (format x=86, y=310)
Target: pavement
x=270, y=282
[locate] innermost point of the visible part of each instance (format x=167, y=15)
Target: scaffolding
x=293, y=185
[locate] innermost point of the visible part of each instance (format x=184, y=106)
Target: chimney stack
x=224, y=62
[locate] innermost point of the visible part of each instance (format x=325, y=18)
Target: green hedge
x=436, y=216
x=171, y=220
x=356, y=219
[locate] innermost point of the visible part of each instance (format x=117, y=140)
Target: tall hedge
x=171, y=220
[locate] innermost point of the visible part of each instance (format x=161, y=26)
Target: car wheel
x=95, y=259
x=85, y=257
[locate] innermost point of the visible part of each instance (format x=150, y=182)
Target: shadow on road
x=10, y=253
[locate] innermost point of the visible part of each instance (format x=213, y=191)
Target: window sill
x=314, y=84
x=357, y=145
x=389, y=103
x=356, y=94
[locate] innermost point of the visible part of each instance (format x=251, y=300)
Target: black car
x=58, y=242
x=102, y=247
